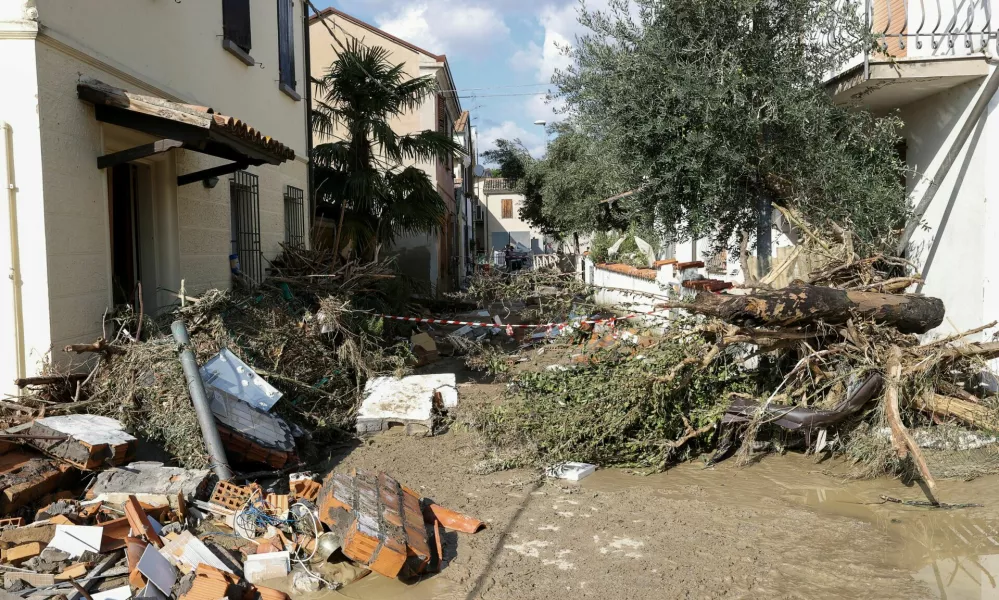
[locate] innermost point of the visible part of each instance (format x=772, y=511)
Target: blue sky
x=502, y=53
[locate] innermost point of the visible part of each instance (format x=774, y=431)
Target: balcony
x=923, y=47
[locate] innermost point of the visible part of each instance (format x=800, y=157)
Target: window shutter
x=507, y=208
x=236, y=22
x=286, y=42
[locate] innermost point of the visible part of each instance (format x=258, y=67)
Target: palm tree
x=359, y=173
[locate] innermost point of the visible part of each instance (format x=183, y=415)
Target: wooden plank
x=126, y=156
x=151, y=124
x=213, y=172
x=99, y=93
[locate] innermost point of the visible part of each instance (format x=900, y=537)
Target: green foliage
x=563, y=190
x=617, y=410
x=359, y=172
x=709, y=107
x=599, y=246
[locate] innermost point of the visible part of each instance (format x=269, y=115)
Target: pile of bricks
x=379, y=523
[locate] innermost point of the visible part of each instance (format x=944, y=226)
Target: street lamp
x=543, y=123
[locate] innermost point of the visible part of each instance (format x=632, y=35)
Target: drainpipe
x=209, y=430
x=15, y=257
x=307, y=43
x=933, y=180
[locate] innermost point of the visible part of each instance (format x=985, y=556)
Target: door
x=122, y=216
x=132, y=238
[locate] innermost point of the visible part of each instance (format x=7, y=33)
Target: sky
x=502, y=54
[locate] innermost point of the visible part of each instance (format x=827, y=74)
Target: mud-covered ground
x=784, y=528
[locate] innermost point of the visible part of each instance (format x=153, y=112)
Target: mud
x=787, y=527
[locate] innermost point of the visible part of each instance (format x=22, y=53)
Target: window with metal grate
x=294, y=217
x=244, y=196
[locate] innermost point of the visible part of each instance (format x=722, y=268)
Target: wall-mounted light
x=211, y=182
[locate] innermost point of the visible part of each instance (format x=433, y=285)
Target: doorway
x=132, y=240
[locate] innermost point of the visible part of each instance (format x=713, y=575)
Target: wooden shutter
x=508, y=208
x=236, y=22
x=286, y=42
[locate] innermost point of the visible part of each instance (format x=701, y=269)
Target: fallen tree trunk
x=967, y=412
x=809, y=304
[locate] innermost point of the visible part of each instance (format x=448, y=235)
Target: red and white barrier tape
x=510, y=327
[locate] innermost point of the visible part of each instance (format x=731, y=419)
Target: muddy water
x=954, y=552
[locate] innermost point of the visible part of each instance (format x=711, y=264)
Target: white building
x=498, y=223
x=942, y=80
x=117, y=173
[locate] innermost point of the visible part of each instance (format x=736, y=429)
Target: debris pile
x=286, y=359
x=149, y=530
x=825, y=364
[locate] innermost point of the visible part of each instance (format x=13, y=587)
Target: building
x=941, y=79
x=498, y=223
x=142, y=144
x=464, y=192
x=435, y=258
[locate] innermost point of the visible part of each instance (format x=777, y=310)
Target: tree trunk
x=764, y=232
x=809, y=304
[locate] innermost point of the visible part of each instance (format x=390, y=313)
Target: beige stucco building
x=434, y=259
x=117, y=173
x=498, y=223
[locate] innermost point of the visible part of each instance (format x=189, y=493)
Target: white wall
x=19, y=109
x=951, y=252
x=62, y=197
x=177, y=48
x=495, y=223
x=615, y=298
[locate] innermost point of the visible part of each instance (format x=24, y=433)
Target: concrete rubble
x=147, y=530
x=411, y=402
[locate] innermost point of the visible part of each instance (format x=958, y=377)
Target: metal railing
x=910, y=29
x=942, y=24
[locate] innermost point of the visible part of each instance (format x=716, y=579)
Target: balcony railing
x=913, y=29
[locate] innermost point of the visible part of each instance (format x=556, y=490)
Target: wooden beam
x=213, y=172
x=126, y=156
x=153, y=125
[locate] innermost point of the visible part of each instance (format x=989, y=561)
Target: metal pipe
x=15, y=254
x=213, y=441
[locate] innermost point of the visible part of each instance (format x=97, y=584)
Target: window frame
x=237, y=30
x=294, y=217
x=506, y=203
x=286, y=48
x=244, y=206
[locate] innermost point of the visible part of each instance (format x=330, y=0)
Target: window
x=294, y=217
x=236, y=29
x=508, y=208
x=286, y=48
x=445, y=126
x=244, y=196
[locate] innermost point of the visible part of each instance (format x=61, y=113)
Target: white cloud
x=445, y=26
x=534, y=141
x=561, y=26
